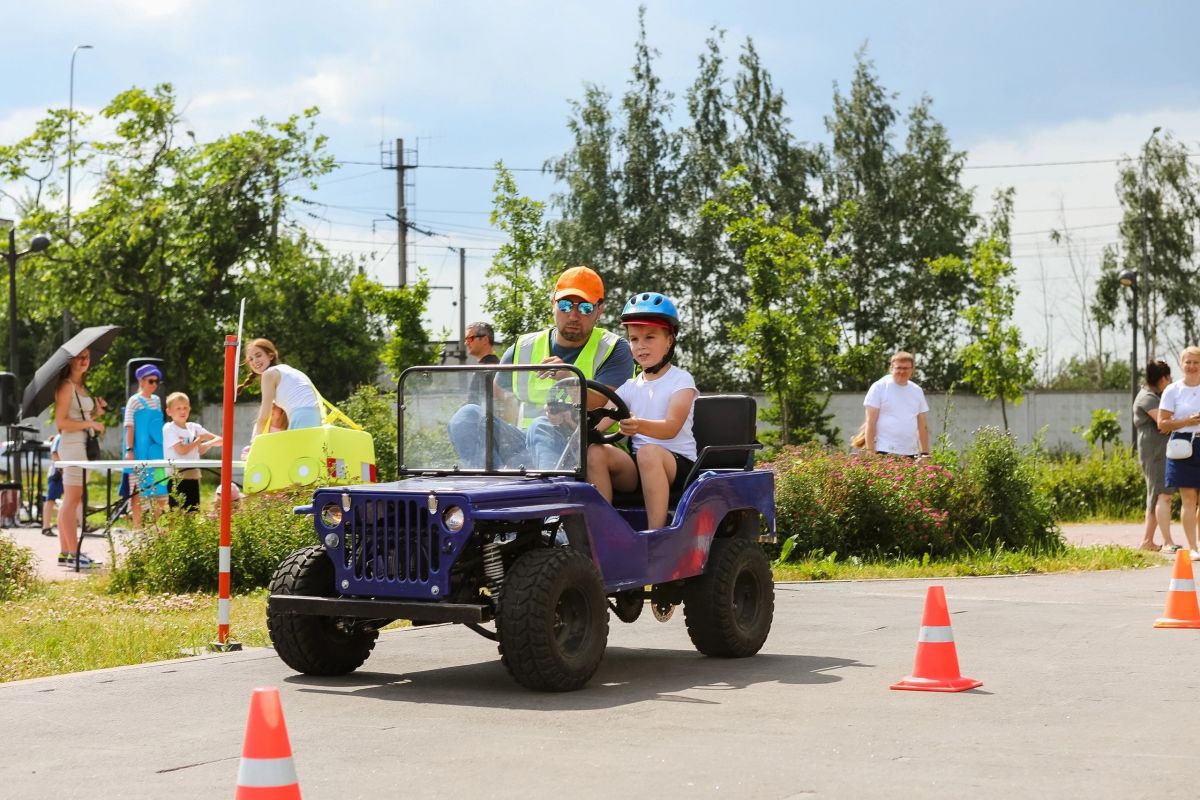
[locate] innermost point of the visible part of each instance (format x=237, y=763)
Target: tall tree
x=647, y=255
x=177, y=232
x=524, y=268
x=791, y=324
x=713, y=283
x=911, y=209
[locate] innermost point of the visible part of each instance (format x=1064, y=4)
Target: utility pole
x=462, y=298
x=401, y=214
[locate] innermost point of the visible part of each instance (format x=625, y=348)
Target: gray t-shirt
x=1152, y=445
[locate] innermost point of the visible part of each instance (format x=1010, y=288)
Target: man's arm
x=923, y=431
x=872, y=423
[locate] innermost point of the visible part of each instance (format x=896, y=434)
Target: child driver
x=660, y=401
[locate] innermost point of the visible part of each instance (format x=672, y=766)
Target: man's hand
x=550, y=374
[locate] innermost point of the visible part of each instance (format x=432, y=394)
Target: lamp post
x=37, y=245
x=71, y=127
x=1130, y=278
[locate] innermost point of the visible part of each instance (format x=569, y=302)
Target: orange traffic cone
x=266, y=771
x=1182, y=609
x=936, y=665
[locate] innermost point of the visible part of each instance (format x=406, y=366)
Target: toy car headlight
x=331, y=515
x=453, y=519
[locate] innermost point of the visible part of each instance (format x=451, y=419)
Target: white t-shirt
x=649, y=400
x=1182, y=401
x=896, y=428
x=173, y=435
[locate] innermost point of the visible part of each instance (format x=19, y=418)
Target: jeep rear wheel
x=311, y=644
x=552, y=620
x=728, y=610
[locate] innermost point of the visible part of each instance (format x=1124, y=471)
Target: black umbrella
x=39, y=394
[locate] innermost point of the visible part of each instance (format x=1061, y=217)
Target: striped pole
x=223, y=643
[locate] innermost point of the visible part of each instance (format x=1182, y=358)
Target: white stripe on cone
x=1181, y=585
x=262, y=773
x=937, y=634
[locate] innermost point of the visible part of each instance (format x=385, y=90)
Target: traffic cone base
x=936, y=666
x=1183, y=610
x=914, y=684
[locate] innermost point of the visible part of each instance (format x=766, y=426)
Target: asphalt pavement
x=1081, y=696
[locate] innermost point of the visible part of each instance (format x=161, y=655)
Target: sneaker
x=1196, y=555
x=68, y=560
x=1170, y=549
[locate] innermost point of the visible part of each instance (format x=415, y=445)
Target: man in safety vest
x=602, y=356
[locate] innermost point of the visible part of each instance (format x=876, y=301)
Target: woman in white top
x=1179, y=416
x=282, y=386
x=74, y=412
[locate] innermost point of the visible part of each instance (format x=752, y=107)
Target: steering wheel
x=594, y=415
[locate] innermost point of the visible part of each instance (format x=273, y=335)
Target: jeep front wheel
x=552, y=620
x=728, y=610
x=310, y=644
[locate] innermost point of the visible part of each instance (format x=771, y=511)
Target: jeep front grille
x=392, y=542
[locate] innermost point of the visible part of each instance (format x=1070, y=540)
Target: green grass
x=71, y=626
x=1001, y=562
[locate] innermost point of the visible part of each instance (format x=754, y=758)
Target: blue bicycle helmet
x=651, y=307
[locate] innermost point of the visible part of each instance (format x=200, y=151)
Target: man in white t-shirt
x=897, y=414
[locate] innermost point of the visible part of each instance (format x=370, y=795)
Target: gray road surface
x=1081, y=696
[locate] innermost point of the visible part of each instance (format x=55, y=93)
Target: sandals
x=1149, y=547
x=49, y=532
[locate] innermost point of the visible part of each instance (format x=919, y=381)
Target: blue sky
x=472, y=82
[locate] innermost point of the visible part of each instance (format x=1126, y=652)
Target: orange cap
x=580, y=282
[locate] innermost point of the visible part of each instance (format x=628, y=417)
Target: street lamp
x=71, y=127
x=1130, y=278
x=37, y=245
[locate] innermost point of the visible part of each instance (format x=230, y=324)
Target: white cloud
x=153, y=9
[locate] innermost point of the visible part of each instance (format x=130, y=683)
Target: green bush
x=999, y=500
x=180, y=554
x=376, y=412
x=17, y=571
x=829, y=502
x=1096, y=486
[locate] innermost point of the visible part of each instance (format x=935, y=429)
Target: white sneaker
x=1196, y=555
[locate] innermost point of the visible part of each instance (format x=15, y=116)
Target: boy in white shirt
x=660, y=400
x=185, y=440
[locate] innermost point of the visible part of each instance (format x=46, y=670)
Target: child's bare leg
x=610, y=467
x=657, y=467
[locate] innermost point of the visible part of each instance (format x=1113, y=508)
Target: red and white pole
x=223, y=586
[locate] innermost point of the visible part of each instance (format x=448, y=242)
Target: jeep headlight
x=453, y=519
x=331, y=515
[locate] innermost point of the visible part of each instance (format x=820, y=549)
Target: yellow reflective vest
x=533, y=348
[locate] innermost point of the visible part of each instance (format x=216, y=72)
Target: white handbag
x=1180, y=448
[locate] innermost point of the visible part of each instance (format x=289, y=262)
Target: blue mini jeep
x=482, y=529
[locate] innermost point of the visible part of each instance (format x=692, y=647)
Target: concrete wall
x=959, y=414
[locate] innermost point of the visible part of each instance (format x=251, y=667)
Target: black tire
x=552, y=620
x=728, y=610
x=310, y=644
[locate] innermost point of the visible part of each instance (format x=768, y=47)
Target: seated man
x=600, y=355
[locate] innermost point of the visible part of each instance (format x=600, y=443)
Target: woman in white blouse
x=1179, y=416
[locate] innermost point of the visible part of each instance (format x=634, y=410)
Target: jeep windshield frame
x=437, y=434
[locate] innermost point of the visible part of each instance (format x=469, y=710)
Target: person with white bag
x=1179, y=417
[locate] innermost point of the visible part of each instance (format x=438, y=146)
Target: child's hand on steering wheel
x=630, y=425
